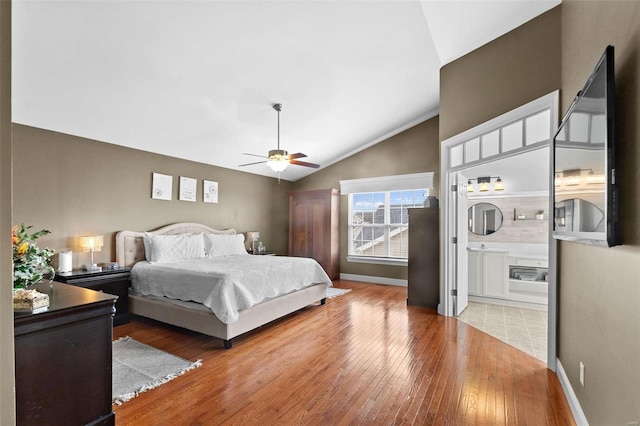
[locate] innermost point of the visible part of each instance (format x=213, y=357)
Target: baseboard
x=508, y=302
x=574, y=404
x=374, y=280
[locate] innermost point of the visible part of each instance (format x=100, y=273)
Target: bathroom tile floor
x=526, y=329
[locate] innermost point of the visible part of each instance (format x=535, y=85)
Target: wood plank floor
x=363, y=358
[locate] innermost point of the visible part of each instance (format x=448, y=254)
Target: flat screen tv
x=585, y=190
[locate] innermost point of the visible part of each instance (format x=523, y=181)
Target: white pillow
x=218, y=245
x=169, y=248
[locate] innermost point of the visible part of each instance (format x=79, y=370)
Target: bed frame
x=130, y=249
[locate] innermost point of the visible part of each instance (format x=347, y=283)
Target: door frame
x=447, y=248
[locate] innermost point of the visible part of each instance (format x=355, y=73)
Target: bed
x=197, y=314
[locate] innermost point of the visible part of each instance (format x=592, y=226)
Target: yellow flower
x=23, y=248
x=30, y=263
x=14, y=238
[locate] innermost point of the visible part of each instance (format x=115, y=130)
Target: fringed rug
x=335, y=292
x=138, y=367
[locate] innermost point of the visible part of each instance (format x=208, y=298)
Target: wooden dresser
x=424, y=258
x=63, y=359
x=313, y=228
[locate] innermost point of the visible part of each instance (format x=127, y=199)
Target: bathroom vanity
x=501, y=275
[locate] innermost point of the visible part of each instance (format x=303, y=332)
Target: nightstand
x=111, y=281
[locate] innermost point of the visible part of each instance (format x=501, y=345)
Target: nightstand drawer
x=114, y=282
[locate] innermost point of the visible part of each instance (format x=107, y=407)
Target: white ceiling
x=197, y=79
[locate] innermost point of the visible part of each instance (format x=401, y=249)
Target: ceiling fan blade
x=251, y=164
x=255, y=155
x=304, y=163
x=297, y=155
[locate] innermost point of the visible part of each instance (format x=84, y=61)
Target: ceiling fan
x=278, y=159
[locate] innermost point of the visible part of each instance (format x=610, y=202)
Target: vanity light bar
x=484, y=183
x=578, y=177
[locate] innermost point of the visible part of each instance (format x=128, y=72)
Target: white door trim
x=447, y=275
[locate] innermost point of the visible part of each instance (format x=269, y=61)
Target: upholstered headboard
x=130, y=248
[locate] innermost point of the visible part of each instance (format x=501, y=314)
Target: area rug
x=335, y=292
x=138, y=367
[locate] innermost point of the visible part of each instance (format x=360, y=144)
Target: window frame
x=404, y=182
x=387, y=226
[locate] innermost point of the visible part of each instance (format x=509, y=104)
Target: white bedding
x=228, y=284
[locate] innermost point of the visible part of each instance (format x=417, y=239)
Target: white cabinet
x=488, y=273
x=476, y=272
x=528, y=280
x=495, y=274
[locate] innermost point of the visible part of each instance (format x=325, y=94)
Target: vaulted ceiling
x=197, y=79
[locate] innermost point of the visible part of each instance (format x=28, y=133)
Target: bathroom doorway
x=525, y=131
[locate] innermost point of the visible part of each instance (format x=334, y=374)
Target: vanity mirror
x=484, y=218
x=577, y=215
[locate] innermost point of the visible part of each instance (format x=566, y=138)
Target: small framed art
x=161, y=186
x=188, y=189
x=210, y=192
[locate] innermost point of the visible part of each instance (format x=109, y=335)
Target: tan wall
x=415, y=150
x=74, y=186
x=7, y=398
x=599, y=315
x=512, y=70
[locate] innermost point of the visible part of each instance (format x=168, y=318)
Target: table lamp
x=253, y=236
x=92, y=244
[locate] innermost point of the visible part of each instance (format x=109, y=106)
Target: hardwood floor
x=363, y=358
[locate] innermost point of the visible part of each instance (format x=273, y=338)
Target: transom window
x=379, y=222
x=532, y=130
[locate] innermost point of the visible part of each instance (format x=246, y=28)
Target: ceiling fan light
x=278, y=163
x=279, y=159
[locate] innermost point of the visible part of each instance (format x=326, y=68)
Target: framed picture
x=161, y=186
x=188, y=189
x=210, y=192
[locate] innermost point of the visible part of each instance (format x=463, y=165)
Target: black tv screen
x=585, y=191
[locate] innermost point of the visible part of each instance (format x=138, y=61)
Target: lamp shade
x=253, y=235
x=92, y=243
x=498, y=185
x=595, y=178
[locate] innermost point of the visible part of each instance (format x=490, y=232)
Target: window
x=379, y=222
x=533, y=127
x=378, y=215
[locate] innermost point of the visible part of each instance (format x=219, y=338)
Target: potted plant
x=540, y=215
x=30, y=265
